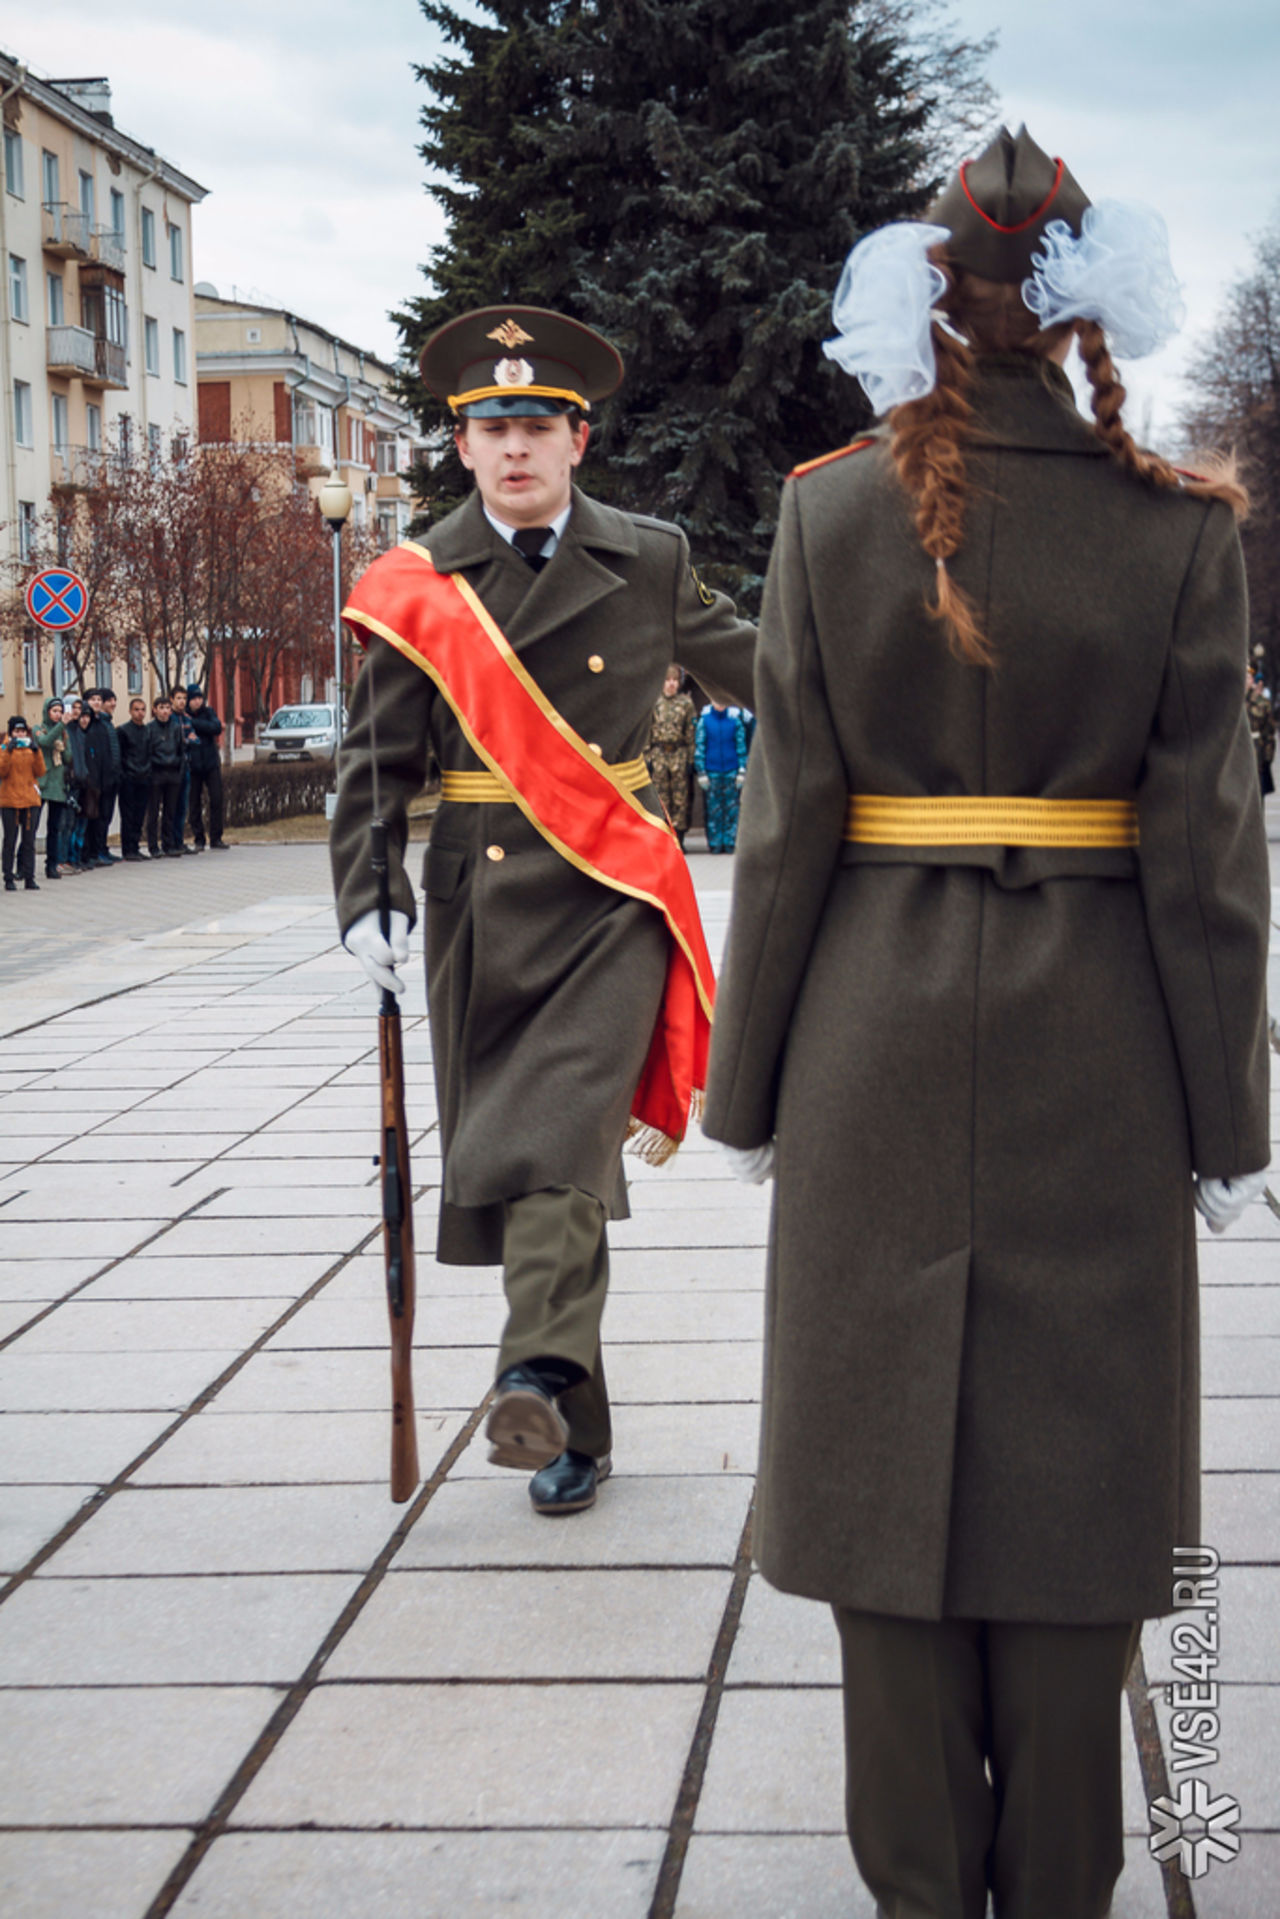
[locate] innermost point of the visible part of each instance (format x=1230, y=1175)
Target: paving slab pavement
x=236, y=1679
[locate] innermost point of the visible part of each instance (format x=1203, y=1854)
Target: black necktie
x=529, y=541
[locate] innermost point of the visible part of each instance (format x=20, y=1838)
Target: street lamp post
x=335, y=505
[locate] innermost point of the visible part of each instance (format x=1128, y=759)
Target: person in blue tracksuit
x=720, y=761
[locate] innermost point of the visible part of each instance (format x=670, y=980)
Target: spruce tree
x=688, y=176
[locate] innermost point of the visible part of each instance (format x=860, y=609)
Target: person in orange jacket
x=21, y=765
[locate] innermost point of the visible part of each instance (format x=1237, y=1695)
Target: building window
x=148, y=237
x=50, y=179
x=313, y=426
x=175, y=253
x=13, y=163
x=102, y=312
x=179, y=447
x=57, y=305
x=31, y=665
x=93, y=428
x=88, y=199
x=179, y=356
x=63, y=540
x=133, y=658
x=151, y=339
x=61, y=422
x=154, y=448
x=23, y=414
x=18, y=308
x=26, y=530
x=117, y=216
x=102, y=663
x=126, y=436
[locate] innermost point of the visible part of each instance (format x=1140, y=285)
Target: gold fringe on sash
x=655, y=1148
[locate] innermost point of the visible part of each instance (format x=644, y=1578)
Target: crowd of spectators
x=164, y=773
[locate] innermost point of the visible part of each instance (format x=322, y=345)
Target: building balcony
x=78, y=467
x=107, y=248
x=312, y=461
x=65, y=230
x=70, y=352
x=76, y=353
x=393, y=486
x=110, y=368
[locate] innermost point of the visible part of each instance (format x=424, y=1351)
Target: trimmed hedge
x=255, y=794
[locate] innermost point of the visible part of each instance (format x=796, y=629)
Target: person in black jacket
x=204, y=729
x=135, y=778
x=167, y=768
x=88, y=755
x=103, y=704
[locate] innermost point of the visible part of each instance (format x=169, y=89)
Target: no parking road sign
x=57, y=599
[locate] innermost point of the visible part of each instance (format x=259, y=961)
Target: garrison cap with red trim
x=518, y=361
x=998, y=206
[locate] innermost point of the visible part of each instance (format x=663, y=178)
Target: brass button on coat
x=595, y=663
x=495, y=852
x=596, y=747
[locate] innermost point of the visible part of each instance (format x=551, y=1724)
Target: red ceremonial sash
x=568, y=793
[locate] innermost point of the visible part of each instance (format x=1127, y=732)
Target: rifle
x=397, y=1191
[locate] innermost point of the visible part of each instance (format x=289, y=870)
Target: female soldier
x=995, y=979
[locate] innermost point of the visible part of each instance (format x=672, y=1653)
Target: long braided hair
x=928, y=437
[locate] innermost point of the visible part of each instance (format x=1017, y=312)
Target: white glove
x=704, y=781
x=1223, y=1200
x=380, y=957
x=751, y=1164
x=741, y=780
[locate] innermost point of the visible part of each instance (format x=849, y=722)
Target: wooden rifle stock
x=397, y=1214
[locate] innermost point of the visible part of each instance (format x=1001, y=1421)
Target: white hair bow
x=1117, y=272
x=882, y=311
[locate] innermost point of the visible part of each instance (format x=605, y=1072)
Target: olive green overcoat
x=543, y=985
x=991, y=1073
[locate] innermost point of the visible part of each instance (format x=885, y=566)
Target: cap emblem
x=510, y=335
x=513, y=373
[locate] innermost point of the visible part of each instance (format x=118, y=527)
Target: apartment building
x=267, y=376
x=97, y=349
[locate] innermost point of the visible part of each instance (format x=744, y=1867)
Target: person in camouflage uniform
x=1262, y=730
x=669, y=753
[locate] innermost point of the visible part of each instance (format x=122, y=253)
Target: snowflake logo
x=1194, y=1829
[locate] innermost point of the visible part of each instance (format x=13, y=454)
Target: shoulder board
x=825, y=459
x=651, y=524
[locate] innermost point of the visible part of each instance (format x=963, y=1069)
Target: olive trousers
x=555, y=1271
x=984, y=1756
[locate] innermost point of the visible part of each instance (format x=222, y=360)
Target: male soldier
x=526, y=649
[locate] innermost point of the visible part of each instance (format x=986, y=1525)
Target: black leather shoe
x=568, y=1484
x=525, y=1428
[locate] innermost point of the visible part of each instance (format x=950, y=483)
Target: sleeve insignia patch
x=705, y=594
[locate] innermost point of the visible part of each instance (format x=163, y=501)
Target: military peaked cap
x=997, y=207
x=518, y=361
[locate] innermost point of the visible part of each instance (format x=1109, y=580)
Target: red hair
x=928, y=437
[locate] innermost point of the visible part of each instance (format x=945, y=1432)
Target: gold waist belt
x=486, y=789
x=881, y=820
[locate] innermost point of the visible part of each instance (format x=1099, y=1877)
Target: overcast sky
x=301, y=120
